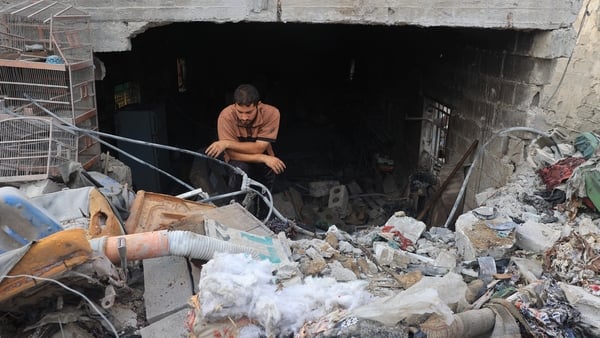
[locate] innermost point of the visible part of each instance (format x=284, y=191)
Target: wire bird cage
x=33, y=148
x=46, y=53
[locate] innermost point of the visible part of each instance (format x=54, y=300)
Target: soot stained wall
x=334, y=119
x=343, y=90
x=491, y=82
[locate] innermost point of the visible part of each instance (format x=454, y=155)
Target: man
x=246, y=130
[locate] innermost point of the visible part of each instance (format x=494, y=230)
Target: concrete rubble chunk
x=529, y=269
x=475, y=239
x=167, y=286
x=340, y=273
x=445, y=259
x=338, y=200
x=386, y=255
x=408, y=226
x=587, y=304
x=536, y=237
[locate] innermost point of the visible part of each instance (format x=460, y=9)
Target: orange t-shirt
x=264, y=127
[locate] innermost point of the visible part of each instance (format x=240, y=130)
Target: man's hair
x=246, y=95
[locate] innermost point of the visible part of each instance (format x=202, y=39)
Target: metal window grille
x=434, y=134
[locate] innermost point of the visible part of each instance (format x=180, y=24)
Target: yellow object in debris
x=103, y=221
x=49, y=257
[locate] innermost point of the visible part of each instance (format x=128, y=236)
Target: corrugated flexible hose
x=162, y=243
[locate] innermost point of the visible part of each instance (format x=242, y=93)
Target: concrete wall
x=491, y=87
x=115, y=22
x=545, y=80
x=571, y=103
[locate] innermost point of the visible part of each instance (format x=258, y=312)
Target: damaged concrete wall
x=116, y=22
x=572, y=101
x=492, y=80
x=545, y=80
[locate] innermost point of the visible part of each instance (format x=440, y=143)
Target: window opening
x=434, y=135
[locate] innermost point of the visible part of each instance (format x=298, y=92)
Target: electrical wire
x=246, y=181
x=114, y=330
x=90, y=134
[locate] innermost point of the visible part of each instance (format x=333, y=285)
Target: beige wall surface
x=114, y=22
x=572, y=102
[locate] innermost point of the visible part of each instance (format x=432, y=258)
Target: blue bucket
x=21, y=221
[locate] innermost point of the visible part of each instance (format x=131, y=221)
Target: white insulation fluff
x=236, y=285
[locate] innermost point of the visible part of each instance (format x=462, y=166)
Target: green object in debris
x=586, y=143
x=503, y=292
x=592, y=186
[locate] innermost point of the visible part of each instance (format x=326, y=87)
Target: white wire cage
x=33, y=148
x=46, y=52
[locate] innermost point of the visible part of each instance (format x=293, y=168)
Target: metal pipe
x=478, y=155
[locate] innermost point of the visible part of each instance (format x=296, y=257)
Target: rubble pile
x=524, y=263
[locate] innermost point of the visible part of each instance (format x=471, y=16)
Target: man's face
x=245, y=114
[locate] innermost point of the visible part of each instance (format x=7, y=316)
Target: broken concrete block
x=536, y=237
x=321, y=188
x=338, y=200
x=122, y=316
x=530, y=270
x=475, y=239
x=386, y=255
x=347, y=248
x=312, y=267
x=116, y=169
x=587, y=304
x=167, y=286
x=340, y=273
x=366, y=266
x=408, y=226
x=383, y=253
x=445, y=259
x=441, y=234
x=332, y=240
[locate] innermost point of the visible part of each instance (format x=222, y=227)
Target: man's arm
x=276, y=164
x=217, y=147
